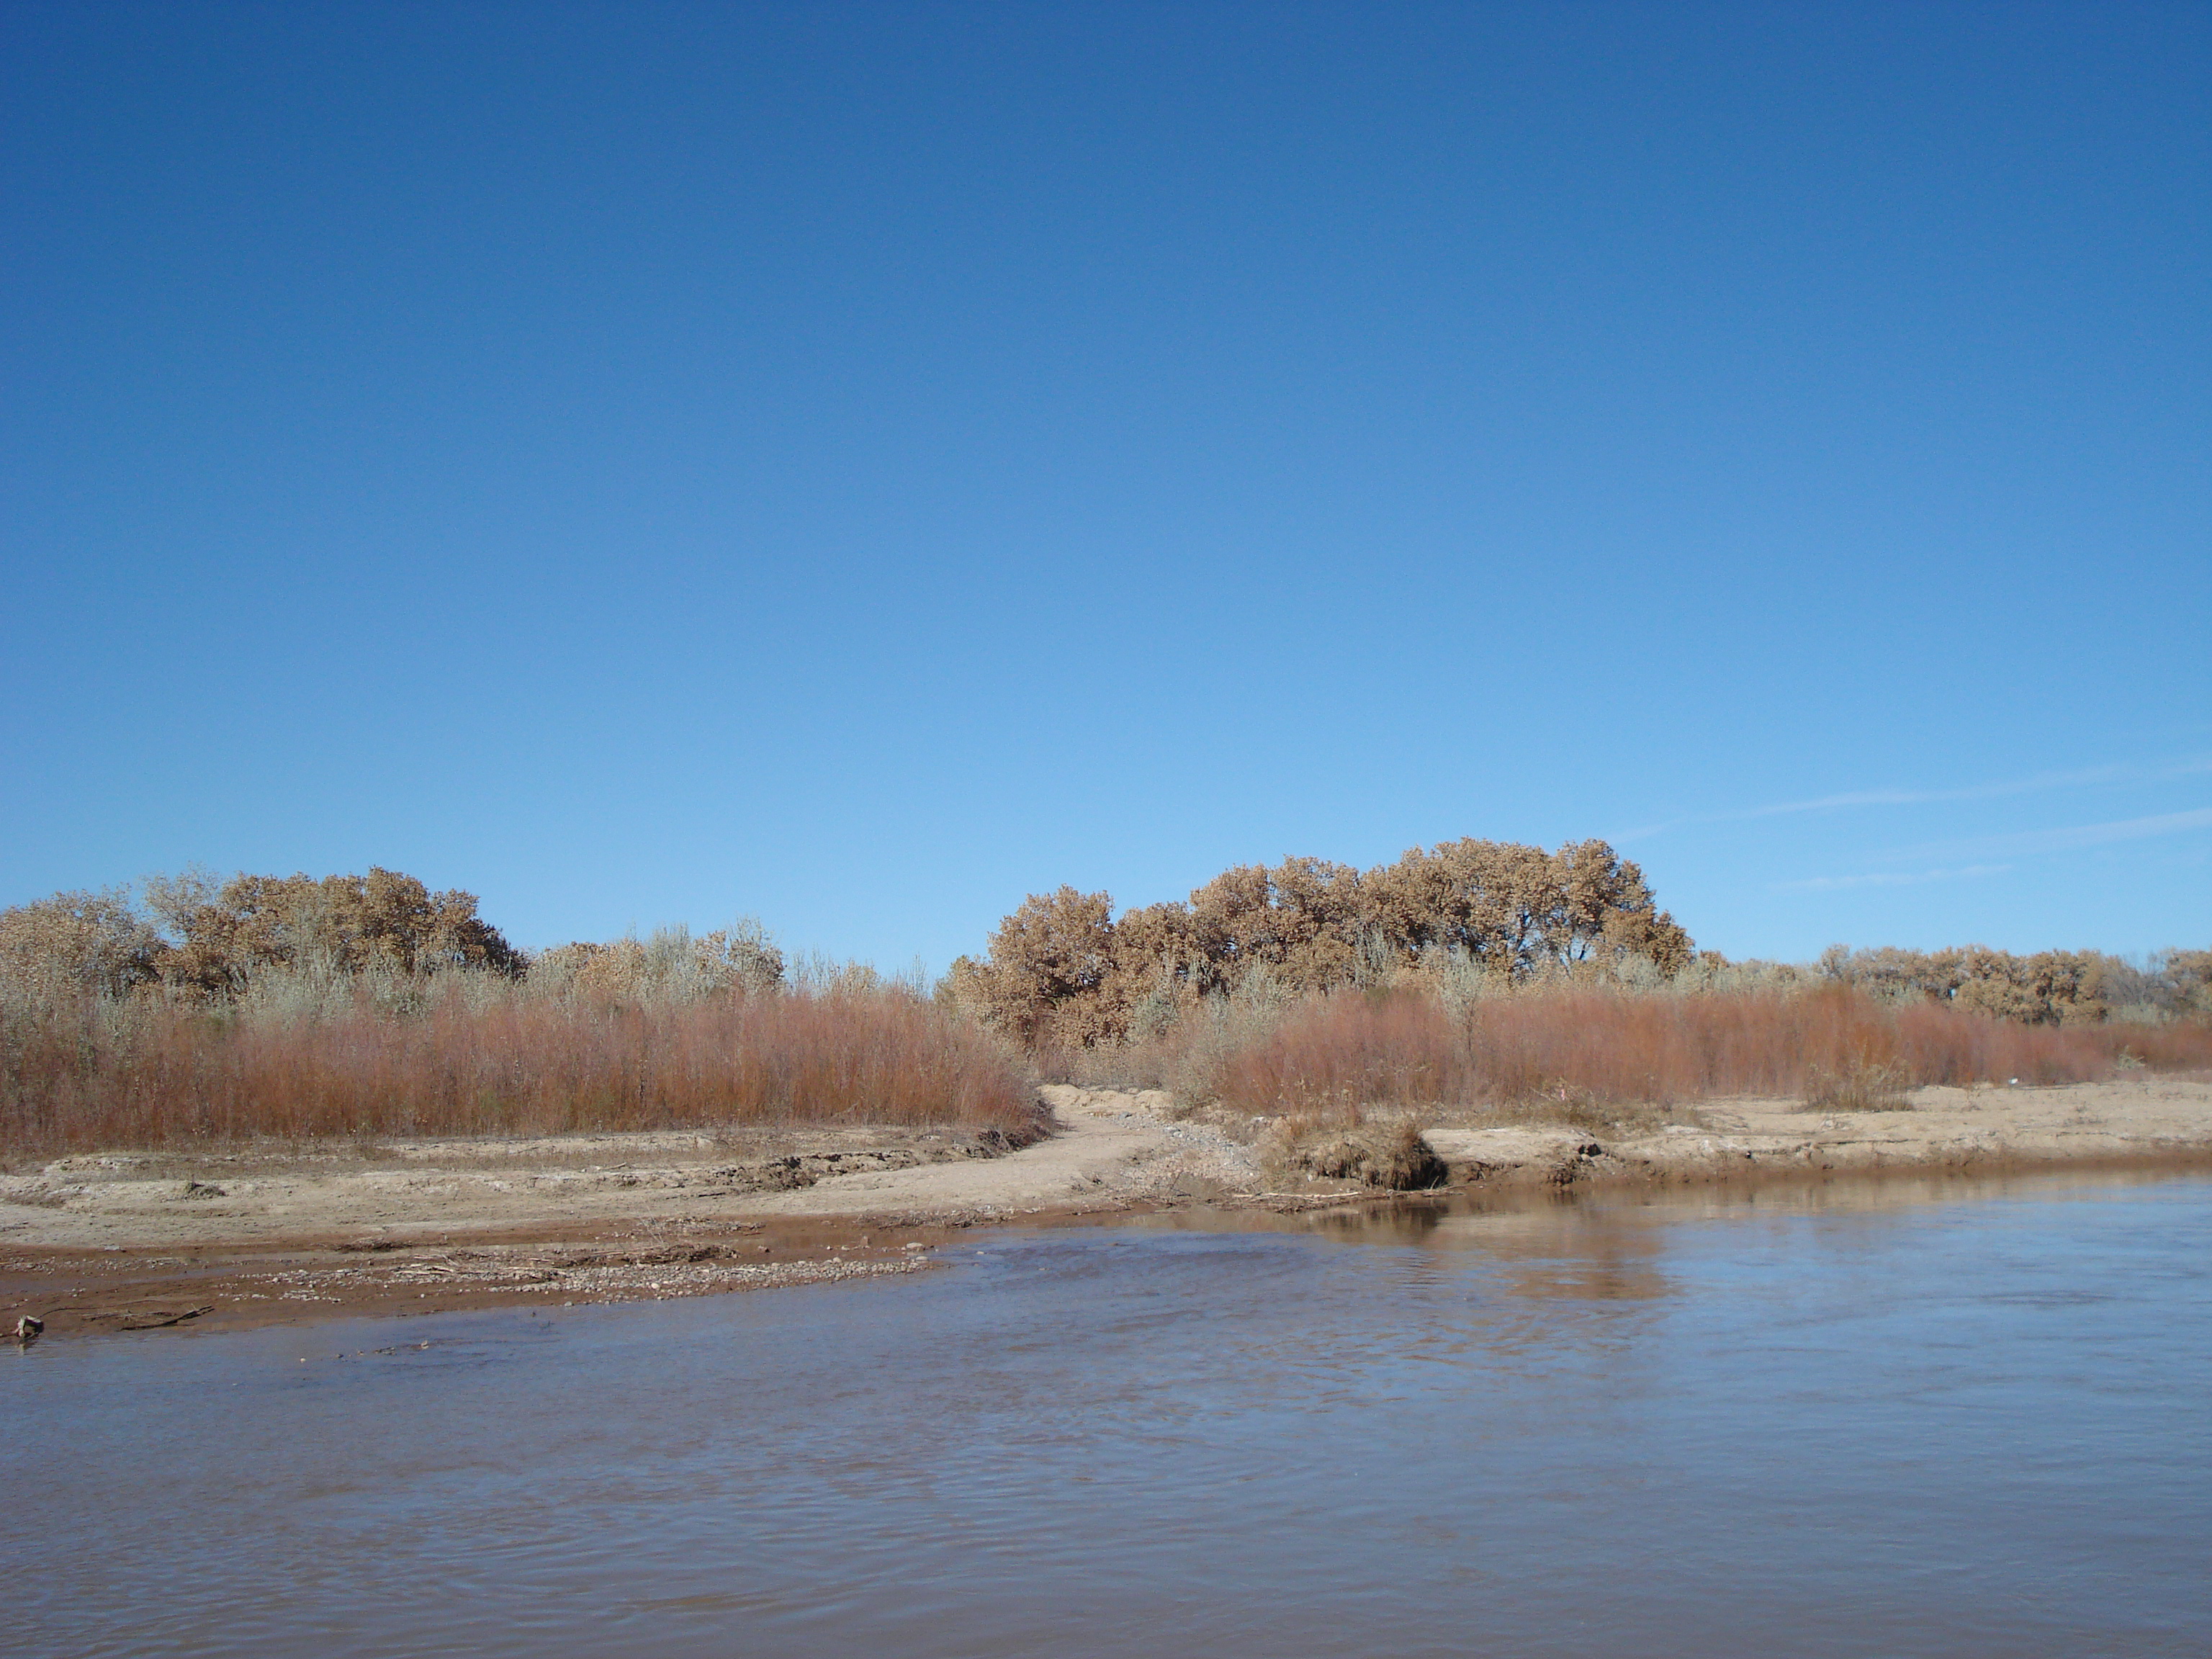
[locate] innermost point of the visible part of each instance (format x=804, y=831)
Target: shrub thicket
x=1468, y=973
x=368, y=1006
x=476, y=1054
x=1349, y=1051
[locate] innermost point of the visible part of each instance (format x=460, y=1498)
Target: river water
x=1940, y=1419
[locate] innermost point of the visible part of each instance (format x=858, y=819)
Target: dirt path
x=1113, y=1148
x=135, y=1241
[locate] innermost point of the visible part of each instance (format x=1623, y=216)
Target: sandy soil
x=2146, y=1123
x=138, y=1241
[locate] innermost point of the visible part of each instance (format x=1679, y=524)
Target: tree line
x=2048, y=987
x=202, y=938
x=1064, y=971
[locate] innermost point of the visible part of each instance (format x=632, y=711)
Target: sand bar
x=140, y=1241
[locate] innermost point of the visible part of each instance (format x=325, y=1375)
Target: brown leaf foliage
x=223, y=937
x=673, y=963
x=1044, y=981
x=1062, y=973
x=78, y=943
x=2048, y=988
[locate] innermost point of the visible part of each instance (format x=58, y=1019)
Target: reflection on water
x=1921, y=1419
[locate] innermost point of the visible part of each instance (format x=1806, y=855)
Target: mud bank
x=125, y=1242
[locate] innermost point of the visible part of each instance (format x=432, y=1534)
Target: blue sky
x=860, y=465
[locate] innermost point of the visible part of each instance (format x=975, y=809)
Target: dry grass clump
x=469, y=1057
x=1857, y=1089
x=1596, y=1050
x=1391, y=1155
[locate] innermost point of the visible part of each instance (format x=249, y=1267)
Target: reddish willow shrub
x=120, y=1074
x=1348, y=1049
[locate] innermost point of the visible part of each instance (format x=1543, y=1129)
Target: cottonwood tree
x=1061, y=970
x=1301, y=921
x=1517, y=911
x=2048, y=988
x=78, y=943
x=1043, y=981
x=221, y=937
x=672, y=965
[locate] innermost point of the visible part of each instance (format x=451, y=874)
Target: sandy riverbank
x=2141, y=1122
x=135, y=1241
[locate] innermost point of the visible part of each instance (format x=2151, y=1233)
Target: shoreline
x=123, y=1242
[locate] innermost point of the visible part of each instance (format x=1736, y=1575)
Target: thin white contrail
x=1888, y=878
x=2070, y=838
x=2039, y=783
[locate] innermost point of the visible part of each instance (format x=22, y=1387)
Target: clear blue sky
x=860, y=465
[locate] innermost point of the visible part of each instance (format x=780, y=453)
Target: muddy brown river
x=1930, y=1420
